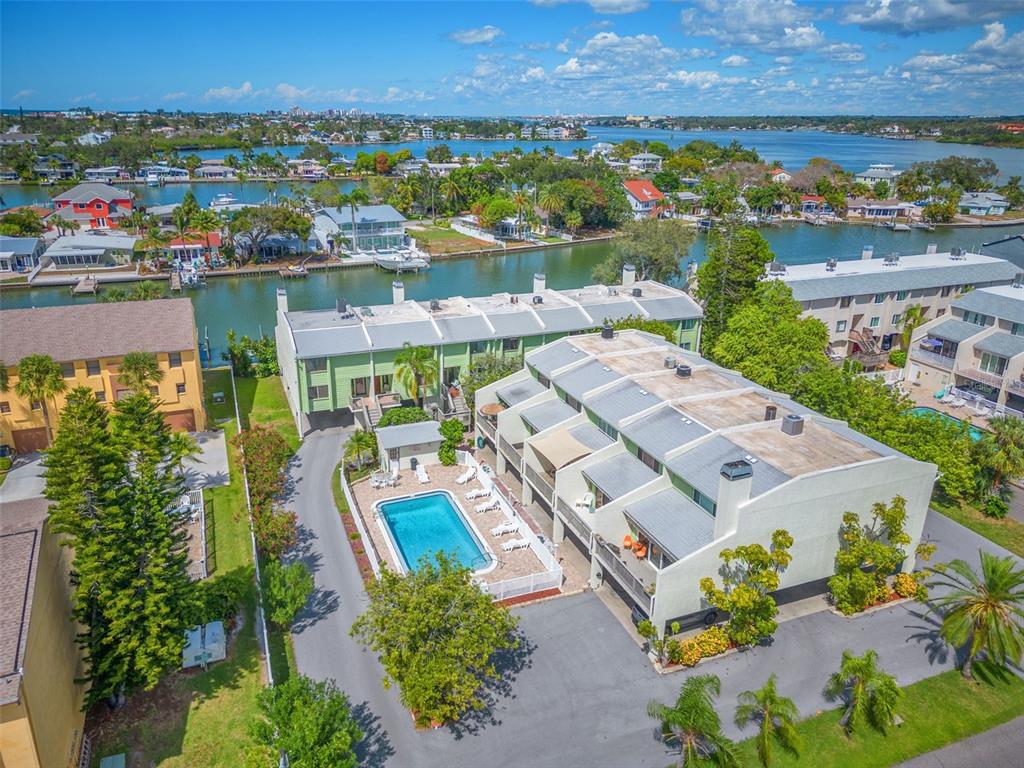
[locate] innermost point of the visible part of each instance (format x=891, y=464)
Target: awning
x=933, y=343
x=558, y=449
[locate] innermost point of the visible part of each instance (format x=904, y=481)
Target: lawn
x=936, y=711
x=1007, y=533
x=262, y=401
x=443, y=240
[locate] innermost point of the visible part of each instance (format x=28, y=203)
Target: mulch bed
x=355, y=541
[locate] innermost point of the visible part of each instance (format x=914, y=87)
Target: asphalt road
x=577, y=693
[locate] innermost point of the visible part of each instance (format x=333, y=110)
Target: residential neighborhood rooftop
x=403, y=435
x=1003, y=301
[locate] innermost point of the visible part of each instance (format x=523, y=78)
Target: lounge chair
x=949, y=397
x=466, y=476
x=958, y=402
x=421, y=474
x=505, y=528
x=583, y=504
x=512, y=546
x=487, y=506
x=478, y=493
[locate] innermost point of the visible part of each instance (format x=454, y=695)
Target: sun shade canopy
x=558, y=449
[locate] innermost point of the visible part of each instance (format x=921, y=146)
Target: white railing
x=523, y=585
x=888, y=377
x=574, y=521
x=515, y=456
x=992, y=379
x=932, y=358
x=625, y=577
x=979, y=403
x=539, y=482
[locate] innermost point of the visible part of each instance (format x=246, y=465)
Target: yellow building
x=89, y=341
x=41, y=718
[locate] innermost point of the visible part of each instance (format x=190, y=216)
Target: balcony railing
x=511, y=452
x=539, y=482
x=610, y=560
x=932, y=358
x=484, y=425
x=573, y=520
x=992, y=379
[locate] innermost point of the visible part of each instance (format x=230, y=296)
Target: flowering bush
x=266, y=454
x=908, y=585
x=710, y=642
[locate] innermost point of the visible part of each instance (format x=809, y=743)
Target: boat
x=900, y=227
x=401, y=261
x=222, y=199
x=923, y=225
x=152, y=179
x=297, y=269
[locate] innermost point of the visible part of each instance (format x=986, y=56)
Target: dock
x=175, y=281
x=86, y=284
x=290, y=273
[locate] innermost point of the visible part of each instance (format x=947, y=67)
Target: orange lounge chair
x=627, y=542
x=640, y=552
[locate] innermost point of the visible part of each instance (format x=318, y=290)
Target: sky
x=694, y=57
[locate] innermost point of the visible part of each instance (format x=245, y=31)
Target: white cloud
x=996, y=42
x=533, y=73
x=735, y=61
x=783, y=59
x=174, y=96
x=478, y=36
x=616, y=7
x=704, y=79
x=563, y=47
x=908, y=17
x=227, y=93
x=611, y=44
x=845, y=52
x=772, y=26
x=91, y=96
x=23, y=94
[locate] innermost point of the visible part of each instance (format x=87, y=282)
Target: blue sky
x=693, y=57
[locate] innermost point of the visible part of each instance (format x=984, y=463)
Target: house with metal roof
x=650, y=460
x=983, y=204
x=863, y=301
x=377, y=227
x=978, y=348
x=89, y=251
x=645, y=162
x=20, y=253
x=339, y=363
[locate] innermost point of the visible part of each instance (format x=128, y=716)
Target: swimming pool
x=422, y=525
x=925, y=411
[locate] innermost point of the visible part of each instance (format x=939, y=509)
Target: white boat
x=401, y=261
x=297, y=269
x=224, y=198
x=152, y=179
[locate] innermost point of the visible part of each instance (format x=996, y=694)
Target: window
x=67, y=370
x=879, y=298
x=603, y=425
x=393, y=454
x=382, y=384
x=179, y=388
x=101, y=396
x=318, y=392
x=897, y=319
x=845, y=302
x=315, y=364
x=940, y=313
x=36, y=405
x=946, y=290
x=902, y=295
x=154, y=391
x=92, y=367
x=360, y=387
x=1017, y=329
x=875, y=321
x=5, y=407
x=547, y=382
x=840, y=326
x=649, y=460
x=688, y=346
x=477, y=347
x=98, y=206
x=706, y=503
x=976, y=318
x=688, y=325
x=174, y=359
x=510, y=345
x=572, y=402
x=992, y=363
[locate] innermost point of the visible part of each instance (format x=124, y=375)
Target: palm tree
x=206, y=222
x=983, y=612
x=415, y=369
x=451, y=192
x=693, y=724
x=139, y=371
x=871, y=694
x=147, y=290
x=360, y=445
x=912, y=318
x=521, y=201
x=3, y=376
x=183, y=446
x=63, y=225
x=550, y=201
x=1004, y=448
x=573, y=221
x=40, y=379
x=182, y=218
x=776, y=716
x=353, y=200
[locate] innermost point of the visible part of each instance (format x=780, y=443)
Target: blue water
x=932, y=413
x=424, y=525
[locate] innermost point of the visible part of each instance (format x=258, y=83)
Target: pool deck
x=924, y=398
x=522, y=562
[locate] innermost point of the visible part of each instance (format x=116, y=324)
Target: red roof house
x=645, y=199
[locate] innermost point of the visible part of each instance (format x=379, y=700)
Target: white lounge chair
x=421, y=474
x=466, y=476
x=478, y=493
x=393, y=477
x=958, y=402
x=583, y=504
x=949, y=398
x=487, y=506
x=505, y=528
x=512, y=546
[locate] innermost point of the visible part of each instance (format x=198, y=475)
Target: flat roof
x=404, y=435
x=520, y=391
x=956, y=330
x=548, y=414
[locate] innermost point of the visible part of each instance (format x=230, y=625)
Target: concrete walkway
x=25, y=478
x=210, y=467
x=576, y=693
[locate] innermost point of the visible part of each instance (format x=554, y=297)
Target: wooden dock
x=290, y=273
x=86, y=284
x=175, y=281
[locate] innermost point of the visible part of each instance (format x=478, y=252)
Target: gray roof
x=558, y=319
x=553, y=356
x=403, y=435
x=612, y=310
x=520, y=391
x=365, y=214
x=91, y=190
x=462, y=329
x=811, y=289
x=513, y=324
x=1009, y=248
x=395, y=335
x=620, y=474
x=546, y=415
x=662, y=431
x=1003, y=344
x=999, y=303
x=622, y=401
x=674, y=522
x=591, y=436
x=700, y=467
x=670, y=307
x=955, y=330
x=585, y=378
x=22, y=246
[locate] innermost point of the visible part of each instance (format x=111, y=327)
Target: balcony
x=634, y=575
x=974, y=374
x=932, y=358
x=572, y=519
x=512, y=453
x=485, y=425
x=543, y=484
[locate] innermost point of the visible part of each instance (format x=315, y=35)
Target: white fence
x=980, y=404
x=523, y=585
x=888, y=377
x=465, y=228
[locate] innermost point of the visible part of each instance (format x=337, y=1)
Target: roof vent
x=367, y=311
x=892, y=260
x=831, y=264
x=1018, y=280
x=776, y=268
x=637, y=292
x=737, y=470
x=683, y=371
x=670, y=362
x=538, y=299
x=792, y=424
x=513, y=299
x=957, y=254
x=770, y=412
x=607, y=332
x=341, y=306
x=435, y=305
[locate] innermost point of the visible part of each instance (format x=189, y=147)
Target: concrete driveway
x=25, y=478
x=576, y=693
x=210, y=467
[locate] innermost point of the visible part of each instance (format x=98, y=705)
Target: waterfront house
x=645, y=199
x=374, y=137
x=88, y=252
x=878, y=172
x=602, y=149
x=54, y=167
x=106, y=173
x=378, y=227
x=92, y=341
x=338, y=363
x=645, y=162
x=978, y=347
x=306, y=169
x=194, y=247
x=41, y=688
x=94, y=205
x=11, y=138
x=862, y=302
x=780, y=175
x=427, y=132
x=648, y=461
x=93, y=138
x=892, y=209
x=983, y=204
x=162, y=171
x=815, y=205
x=215, y=171
x=19, y=254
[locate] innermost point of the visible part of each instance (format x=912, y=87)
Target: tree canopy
x=655, y=247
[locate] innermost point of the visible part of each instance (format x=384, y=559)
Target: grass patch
x=1007, y=533
x=443, y=240
x=937, y=711
x=262, y=401
x=218, y=380
x=14, y=280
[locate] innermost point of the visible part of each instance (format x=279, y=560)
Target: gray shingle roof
x=700, y=467
x=955, y=330
x=674, y=522
x=512, y=324
x=622, y=401
x=591, y=436
x=553, y=356
x=546, y=415
x=670, y=307
x=323, y=342
x=620, y=474
x=585, y=378
x=663, y=431
x=1003, y=303
x=520, y=391
x=1003, y=344
x=403, y=435
x=1009, y=248
x=462, y=329
x=559, y=319
x=91, y=190
x=395, y=335
x=610, y=310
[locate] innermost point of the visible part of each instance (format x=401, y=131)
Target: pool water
x=925, y=411
x=423, y=525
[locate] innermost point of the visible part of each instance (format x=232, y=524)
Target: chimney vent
x=538, y=299
x=435, y=305
x=638, y=292
x=670, y=362
x=867, y=252
x=683, y=371
x=607, y=332
x=793, y=424
x=628, y=274
x=540, y=282
x=341, y=305
x=932, y=248
x=398, y=291
x=737, y=470
x=770, y=412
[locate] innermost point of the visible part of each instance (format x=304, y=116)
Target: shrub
x=287, y=589
x=5, y=463
x=266, y=454
x=708, y=643
x=996, y=506
x=908, y=585
x=446, y=454
x=276, y=531
x=898, y=357
x=404, y=415
x=452, y=431
x=218, y=598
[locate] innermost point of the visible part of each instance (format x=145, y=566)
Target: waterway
x=248, y=304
